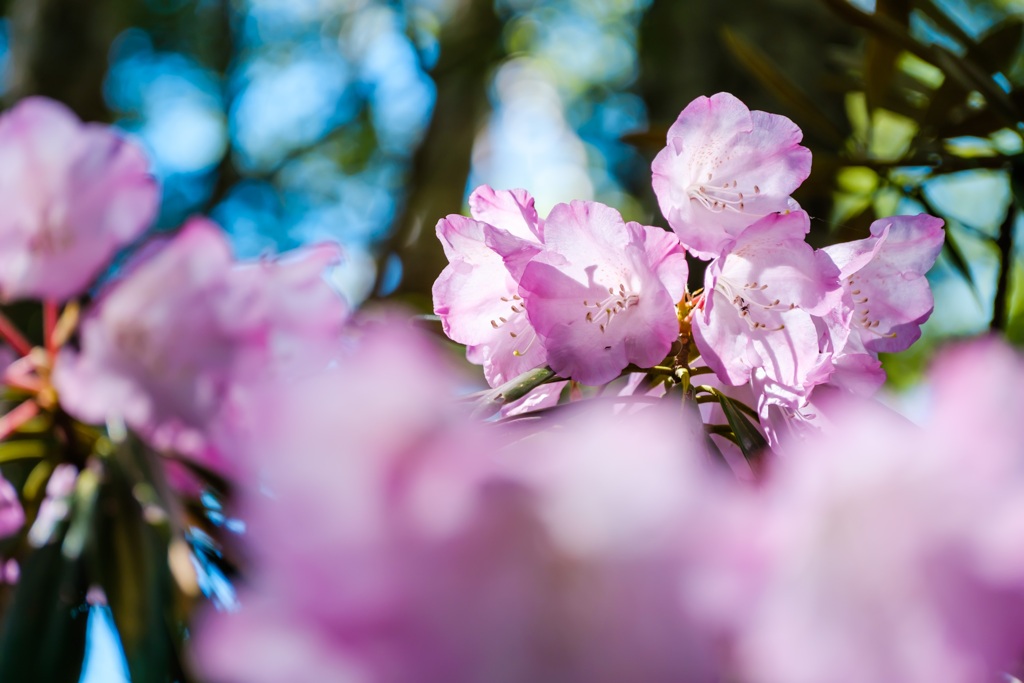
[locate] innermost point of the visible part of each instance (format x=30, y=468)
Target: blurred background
x=365, y=121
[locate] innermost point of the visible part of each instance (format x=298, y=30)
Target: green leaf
x=21, y=449
x=513, y=390
x=748, y=437
x=44, y=629
x=956, y=257
x=131, y=557
x=82, y=514
x=993, y=53
x=967, y=73
x=712, y=448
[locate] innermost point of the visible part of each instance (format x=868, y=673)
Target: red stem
x=17, y=417
x=13, y=337
x=49, y=324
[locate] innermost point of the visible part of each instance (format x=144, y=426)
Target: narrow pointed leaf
x=43, y=636
x=513, y=390
x=956, y=257
x=132, y=557
x=748, y=437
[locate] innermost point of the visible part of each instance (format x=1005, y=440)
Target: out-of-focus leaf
x=82, y=514
x=994, y=52
x=21, y=449
x=354, y=145
x=916, y=69
x=1005, y=243
x=951, y=247
x=761, y=66
x=967, y=74
x=891, y=134
x=132, y=564
x=44, y=629
x=748, y=437
x=36, y=482
x=1015, y=328
x=855, y=186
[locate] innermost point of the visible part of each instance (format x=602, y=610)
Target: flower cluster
x=590, y=296
x=581, y=290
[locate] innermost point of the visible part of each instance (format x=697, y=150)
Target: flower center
x=862, y=310
x=618, y=301
x=753, y=303
x=512, y=320
x=718, y=196
x=515, y=309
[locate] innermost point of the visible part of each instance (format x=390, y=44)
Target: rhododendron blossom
x=477, y=295
x=73, y=195
x=886, y=296
x=725, y=167
x=450, y=552
x=171, y=361
x=760, y=300
x=603, y=293
x=894, y=549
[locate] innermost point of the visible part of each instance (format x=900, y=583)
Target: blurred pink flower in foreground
x=176, y=362
x=894, y=550
x=12, y=515
x=724, y=168
x=73, y=195
x=455, y=551
x=56, y=504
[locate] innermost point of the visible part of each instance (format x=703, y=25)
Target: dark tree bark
x=470, y=48
x=60, y=48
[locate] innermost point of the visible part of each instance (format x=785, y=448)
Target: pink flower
x=760, y=300
x=725, y=167
x=477, y=295
x=603, y=293
x=886, y=296
x=73, y=194
x=174, y=361
x=56, y=505
x=12, y=515
x=893, y=551
x=458, y=552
